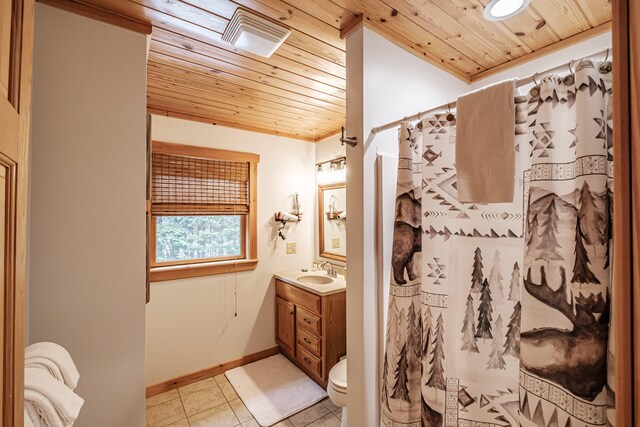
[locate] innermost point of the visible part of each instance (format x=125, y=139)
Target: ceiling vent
x=254, y=33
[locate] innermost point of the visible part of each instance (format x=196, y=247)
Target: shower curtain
x=499, y=314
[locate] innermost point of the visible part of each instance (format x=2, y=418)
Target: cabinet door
x=285, y=324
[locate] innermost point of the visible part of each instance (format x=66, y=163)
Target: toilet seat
x=338, y=376
x=337, y=388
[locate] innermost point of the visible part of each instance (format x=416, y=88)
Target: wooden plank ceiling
x=300, y=91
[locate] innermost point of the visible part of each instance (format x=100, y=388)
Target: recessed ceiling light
x=253, y=33
x=498, y=10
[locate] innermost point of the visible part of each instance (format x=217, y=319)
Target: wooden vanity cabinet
x=311, y=329
x=285, y=325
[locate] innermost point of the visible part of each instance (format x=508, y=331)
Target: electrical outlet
x=291, y=248
x=335, y=243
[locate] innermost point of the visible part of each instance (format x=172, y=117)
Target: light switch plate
x=291, y=248
x=335, y=243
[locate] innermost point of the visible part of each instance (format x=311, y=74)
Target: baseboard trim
x=193, y=377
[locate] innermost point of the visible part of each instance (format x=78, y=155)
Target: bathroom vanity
x=311, y=321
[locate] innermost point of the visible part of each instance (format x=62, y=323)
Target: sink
x=314, y=279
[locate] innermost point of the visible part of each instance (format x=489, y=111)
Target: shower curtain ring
x=534, y=79
x=570, y=63
x=606, y=58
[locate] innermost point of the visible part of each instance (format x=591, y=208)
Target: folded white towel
x=31, y=416
x=28, y=418
x=58, y=355
x=47, y=414
x=46, y=364
x=55, y=402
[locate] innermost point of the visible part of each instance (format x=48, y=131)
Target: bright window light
x=498, y=10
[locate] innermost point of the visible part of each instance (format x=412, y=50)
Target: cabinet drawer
x=309, y=341
x=309, y=361
x=298, y=296
x=308, y=321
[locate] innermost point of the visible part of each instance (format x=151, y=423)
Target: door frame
x=626, y=208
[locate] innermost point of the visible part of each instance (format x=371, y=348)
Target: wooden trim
x=161, y=274
x=203, y=152
x=627, y=186
x=99, y=14
x=321, y=249
x=15, y=61
x=634, y=120
x=355, y=24
x=13, y=321
x=585, y=35
x=253, y=210
x=187, y=379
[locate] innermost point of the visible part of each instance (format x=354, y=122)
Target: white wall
x=384, y=82
x=190, y=322
x=330, y=148
x=87, y=238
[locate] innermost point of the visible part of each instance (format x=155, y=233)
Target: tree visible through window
x=196, y=237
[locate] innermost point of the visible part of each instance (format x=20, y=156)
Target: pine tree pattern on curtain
x=468, y=295
x=505, y=307
x=566, y=298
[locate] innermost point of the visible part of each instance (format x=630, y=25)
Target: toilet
x=337, y=387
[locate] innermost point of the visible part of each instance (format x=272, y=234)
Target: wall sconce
x=332, y=171
x=295, y=215
x=334, y=214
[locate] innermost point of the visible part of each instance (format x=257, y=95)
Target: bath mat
x=273, y=389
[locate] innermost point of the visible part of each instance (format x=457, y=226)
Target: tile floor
x=212, y=402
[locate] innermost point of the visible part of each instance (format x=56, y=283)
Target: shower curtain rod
x=519, y=83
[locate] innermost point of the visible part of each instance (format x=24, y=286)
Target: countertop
x=338, y=285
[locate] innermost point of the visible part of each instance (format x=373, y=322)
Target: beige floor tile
x=165, y=413
x=202, y=400
x=220, y=378
x=338, y=413
x=181, y=423
x=161, y=398
x=202, y=384
x=220, y=416
x=309, y=415
x=328, y=420
x=250, y=423
x=283, y=423
x=228, y=390
x=329, y=404
x=241, y=411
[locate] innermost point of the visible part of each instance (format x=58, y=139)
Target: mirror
x=332, y=222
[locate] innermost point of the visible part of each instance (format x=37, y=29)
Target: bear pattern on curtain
x=482, y=330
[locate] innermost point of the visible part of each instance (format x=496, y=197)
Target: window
x=203, y=211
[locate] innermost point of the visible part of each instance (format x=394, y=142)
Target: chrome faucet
x=331, y=272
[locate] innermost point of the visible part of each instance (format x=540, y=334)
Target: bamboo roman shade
x=182, y=185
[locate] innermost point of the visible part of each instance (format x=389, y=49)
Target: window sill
x=174, y=272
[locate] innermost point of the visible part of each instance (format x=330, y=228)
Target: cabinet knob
x=307, y=340
x=307, y=321
x=308, y=361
